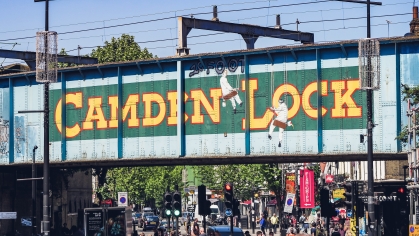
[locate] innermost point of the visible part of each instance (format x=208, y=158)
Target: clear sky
x=328, y=20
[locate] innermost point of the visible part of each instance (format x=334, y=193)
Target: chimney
x=414, y=24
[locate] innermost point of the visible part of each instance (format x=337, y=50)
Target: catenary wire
x=165, y=18
x=129, y=17
x=218, y=33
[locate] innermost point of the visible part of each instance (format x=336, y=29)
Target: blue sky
x=328, y=20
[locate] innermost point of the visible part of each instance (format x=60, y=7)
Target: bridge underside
x=223, y=160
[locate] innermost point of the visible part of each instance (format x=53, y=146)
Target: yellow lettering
x=308, y=91
x=148, y=99
x=95, y=113
x=256, y=123
x=172, y=97
x=345, y=105
x=76, y=100
x=129, y=107
x=213, y=111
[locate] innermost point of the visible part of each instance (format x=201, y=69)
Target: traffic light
x=324, y=203
x=402, y=199
x=168, y=203
x=202, y=198
x=349, y=194
x=236, y=205
x=177, y=204
x=228, y=195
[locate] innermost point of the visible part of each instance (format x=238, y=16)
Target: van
x=147, y=210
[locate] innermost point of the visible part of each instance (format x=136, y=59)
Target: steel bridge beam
x=30, y=58
x=250, y=33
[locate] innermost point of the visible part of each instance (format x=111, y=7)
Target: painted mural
x=291, y=105
x=4, y=125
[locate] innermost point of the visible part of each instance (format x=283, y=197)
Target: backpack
x=319, y=232
x=302, y=219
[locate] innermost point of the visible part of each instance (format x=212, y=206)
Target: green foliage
x=61, y=64
x=242, y=177
x=122, y=49
x=141, y=183
x=411, y=93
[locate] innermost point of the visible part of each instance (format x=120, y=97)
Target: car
x=223, y=230
x=151, y=222
x=135, y=217
x=144, y=217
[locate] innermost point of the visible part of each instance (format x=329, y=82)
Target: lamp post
x=45, y=226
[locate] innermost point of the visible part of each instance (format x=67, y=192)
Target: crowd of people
x=304, y=225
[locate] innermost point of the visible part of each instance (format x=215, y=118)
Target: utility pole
x=34, y=192
x=46, y=79
x=372, y=226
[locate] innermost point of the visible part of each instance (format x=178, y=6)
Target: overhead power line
x=172, y=17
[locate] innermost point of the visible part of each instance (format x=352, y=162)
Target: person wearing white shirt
x=281, y=115
x=226, y=89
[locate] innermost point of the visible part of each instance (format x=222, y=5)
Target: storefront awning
x=247, y=202
x=272, y=202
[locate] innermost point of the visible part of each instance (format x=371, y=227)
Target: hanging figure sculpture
x=280, y=121
x=229, y=93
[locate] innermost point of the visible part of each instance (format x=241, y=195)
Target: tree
x=62, y=64
x=122, y=49
x=141, y=183
x=412, y=94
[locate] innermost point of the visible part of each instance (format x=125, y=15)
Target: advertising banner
x=289, y=202
x=290, y=183
x=307, y=199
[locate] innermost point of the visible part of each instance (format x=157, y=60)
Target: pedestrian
x=262, y=224
x=195, y=229
x=336, y=232
x=289, y=230
x=274, y=222
x=292, y=232
x=247, y=233
x=302, y=220
x=259, y=233
x=313, y=229
x=202, y=232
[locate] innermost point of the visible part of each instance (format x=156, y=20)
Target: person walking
x=274, y=222
x=195, y=230
x=262, y=223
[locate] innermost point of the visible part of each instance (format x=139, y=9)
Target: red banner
x=307, y=199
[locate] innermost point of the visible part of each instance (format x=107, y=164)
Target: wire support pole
x=45, y=182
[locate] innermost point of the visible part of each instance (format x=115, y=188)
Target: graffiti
x=4, y=138
x=218, y=66
x=20, y=135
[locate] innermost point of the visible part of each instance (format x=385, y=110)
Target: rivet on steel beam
x=215, y=13
x=278, y=22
